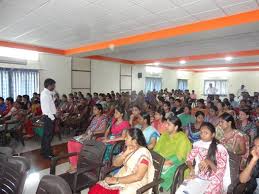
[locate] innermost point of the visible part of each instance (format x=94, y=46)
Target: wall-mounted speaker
x=139, y=75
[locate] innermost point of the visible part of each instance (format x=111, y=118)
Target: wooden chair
x=13, y=173
x=51, y=184
x=90, y=163
x=178, y=177
x=158, y=162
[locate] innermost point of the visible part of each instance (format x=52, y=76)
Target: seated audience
x=212, y=172
x=97, y=126
x=246, y=125
x=174, y=146
x=193, y=130
x=178, y=109
x=159, y=122
x=233, y=140
x=232, y=101
x=10, y=109
x=167, y=109
x=137, y=170
x=186, y=117
x=135, y=117
x=251, y=173
x=221, y=108
x=2, y=106
x=200, y=107
x=212, y=116
x=117, y=131
x=150, y=133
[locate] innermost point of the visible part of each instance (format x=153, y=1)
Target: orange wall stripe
x=202, y=57
x=242, y=18
x=31, y=47
x=103, y=58
x=227, y=70
x=215, y=66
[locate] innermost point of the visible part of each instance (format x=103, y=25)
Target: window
x=15, y=82
x=220, y=85
x=153, y=84
x=182, y=84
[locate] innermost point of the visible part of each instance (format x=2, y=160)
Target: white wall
x=50, y=66
x=169, y=77
x=105, y=76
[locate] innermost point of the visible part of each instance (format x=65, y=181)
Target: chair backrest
x=116, y=149
x=51, y=184
x=91, y=156
x=158, y=162
x=13, y=173
x=234, y=163
x=178, y=177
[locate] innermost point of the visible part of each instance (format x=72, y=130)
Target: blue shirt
x=2, y=107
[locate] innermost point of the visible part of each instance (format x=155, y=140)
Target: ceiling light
x=19, y=53
x=182, y=62
x=156, y=63
x=229, y=58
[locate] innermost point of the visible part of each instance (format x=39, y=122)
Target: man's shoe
x=49, y=157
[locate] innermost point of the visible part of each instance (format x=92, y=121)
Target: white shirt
x=239, y=92
x=47, y=103
x=211, y=90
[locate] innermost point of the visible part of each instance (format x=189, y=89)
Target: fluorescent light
x=182, y=62
x=19, y=53
x=153, y=70
x=229, y=58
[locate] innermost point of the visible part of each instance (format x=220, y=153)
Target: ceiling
x=63, y=25
x=66, y=24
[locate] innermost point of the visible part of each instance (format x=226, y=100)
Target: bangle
x=117, y=180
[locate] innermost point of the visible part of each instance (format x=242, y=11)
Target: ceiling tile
x=183, y=2
x=200, y=6
x=241, y=7
x=183, y=21
x=223, y=3
x=150, y=19
x=216, y=13
x=173, y=14
x=155, y=6
x=115, y=5
x=134, y=12
x=15, y=10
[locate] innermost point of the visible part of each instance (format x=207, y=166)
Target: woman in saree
x=174, y=146
x=150, y=133
x=117, y=131
x=97, y=126
x=137, y=170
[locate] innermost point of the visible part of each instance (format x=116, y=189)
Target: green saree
x=174, y=149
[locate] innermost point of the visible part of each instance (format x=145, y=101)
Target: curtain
x=182, y=84
x=4, y=83
x=19, y=82
x=153, y=83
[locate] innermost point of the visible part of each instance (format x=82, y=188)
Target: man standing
x=211, y=91
x=240, y=91
x=48, y=110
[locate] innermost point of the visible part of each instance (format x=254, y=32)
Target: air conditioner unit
x=9, y=60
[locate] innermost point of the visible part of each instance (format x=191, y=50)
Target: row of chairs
x=91, y=168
